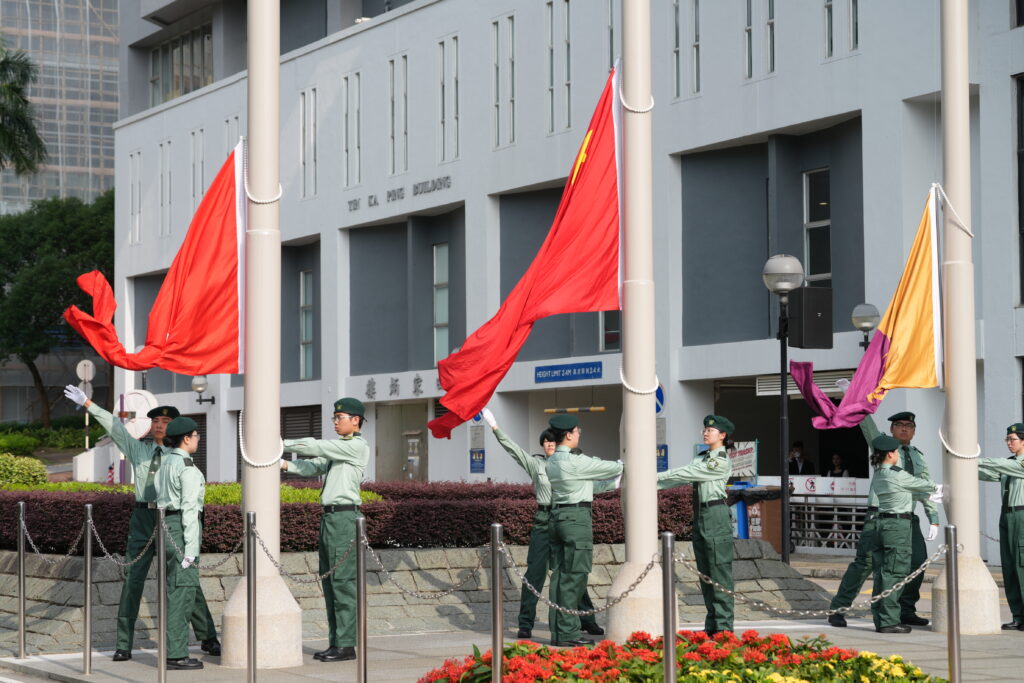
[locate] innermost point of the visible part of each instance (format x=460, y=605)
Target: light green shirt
x=139, y=453
x=572, y=475
x=533, y=464
x=870, y=430
x=895, y=490
x=343, y=460
x=709, y=471
x=181, y=486
x=1009, y=472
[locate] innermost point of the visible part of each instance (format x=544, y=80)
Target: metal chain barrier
x=994, y=540
x=123, y=564
x=181, y=553
x=300, y=579
x=427, y=595
x=44, y=558
x=579, y=612
x=758, y=604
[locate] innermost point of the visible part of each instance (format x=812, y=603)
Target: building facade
x=423, y=150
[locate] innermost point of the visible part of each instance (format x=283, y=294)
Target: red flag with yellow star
x=577, y=270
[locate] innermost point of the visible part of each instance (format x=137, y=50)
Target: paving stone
x=770, y=569
x=745, y=569
x=432, y=559
x=462, y=557
x=394, y=560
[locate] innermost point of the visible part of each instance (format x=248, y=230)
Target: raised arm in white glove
x=933, y=532
x=843, y=384
x=75, y=394
x=940, y=492
x=187, y=562
x=488, y=417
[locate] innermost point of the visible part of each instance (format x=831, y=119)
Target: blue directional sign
x=662, y=457
x=476, y=460
x=659, y=399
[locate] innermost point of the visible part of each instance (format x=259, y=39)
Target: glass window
x=854, y=25
x=306, y=324
x=771, y=36
x=748, y=41
x=829, y=48
x=818, y=228
x=440, y=301
x=611, y=331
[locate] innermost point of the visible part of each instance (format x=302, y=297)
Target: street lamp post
x=865, y=318
x=782, y=274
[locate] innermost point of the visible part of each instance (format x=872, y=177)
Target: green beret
x=182, y=425
x=1015, y=428
x=564, y=422
x=905, y=415
x=164, y=411
x=352, y=406
x=884, y=443
x=722, y=424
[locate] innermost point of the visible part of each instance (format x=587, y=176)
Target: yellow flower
x=864, y=679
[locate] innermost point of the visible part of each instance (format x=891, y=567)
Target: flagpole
x=279, y=619
x=979, y=596
x=642, y=609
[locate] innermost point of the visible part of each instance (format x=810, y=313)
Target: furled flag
x=575, y=271
x=906, y=350
x=196, y=324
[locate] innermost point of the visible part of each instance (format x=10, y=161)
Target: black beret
x=722, y=424
x=883, y=443
x=905, y=415
x=182, y=425
x=164, y=411
x=564, y=422
x=352, y=406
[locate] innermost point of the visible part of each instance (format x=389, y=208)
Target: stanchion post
x=250, y=596
x=497, y=605
x=668, y=587
x=362, y=656
x=952, y=606
x=21, y=580
x=161, y=600
x=87, y=593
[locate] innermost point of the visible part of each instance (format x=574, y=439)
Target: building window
x=1018, y=13
x=398, y=117
x=770, y=29
x=1020, y=176
x=135, y=206
x=307, y=141
x=198, y=167
x=503, y=83
x=818, y=228
x=496, y=80
x=568, y=66
x=748, y=41
x=350, y=133
x=511, y=103
x=550, y=12
x=306, y=346
x=855, y=25
x=829, y=47
x=677, y=56
x=230, y=134
x=611, y=330
x=440, y=301
x=180, y=65
x=165, y=187
x=695, y=46
x=448, y=112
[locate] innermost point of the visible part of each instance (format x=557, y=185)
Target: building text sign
x=568, y=372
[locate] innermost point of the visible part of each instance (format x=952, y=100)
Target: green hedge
x=65, y=434
x=216, y=494
x=18, y=444
x=24, y=471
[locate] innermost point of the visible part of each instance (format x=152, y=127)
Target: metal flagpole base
x=979, y=599
x=278, y=626
x=641, y=610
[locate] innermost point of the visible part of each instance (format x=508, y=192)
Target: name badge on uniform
x=713, y=463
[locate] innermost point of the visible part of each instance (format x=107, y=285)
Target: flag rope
x=633, y=390
x=959, y=455
x=245, y=179
x=622, y=100
x=959, y=222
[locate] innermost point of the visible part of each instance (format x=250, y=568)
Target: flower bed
x=750, y=657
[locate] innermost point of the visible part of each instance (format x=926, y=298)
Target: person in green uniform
x=1009, y=472
x=572, y=476
x=858, y=570
x=903, y=426
x=895, y=489
x=145, y=457
x=712, y=526
x=180, y=488
x=540, y=544
x=343, y=461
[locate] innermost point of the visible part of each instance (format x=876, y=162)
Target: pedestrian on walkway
x=895, y=490
x=1009, y=472
x=145, y=456
x=540, y=535
x=572, y=476
x=180, y=490
x=342, y=461
x=712, y=526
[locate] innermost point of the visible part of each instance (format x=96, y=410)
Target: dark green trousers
x=860, y=569
x=572, y=557
x=537, y=559
x=1011, y=552
x=140, y=528
x=712, y=547
x=918, y=554
x=182, y=586
x=337, y=530
x=892, y=563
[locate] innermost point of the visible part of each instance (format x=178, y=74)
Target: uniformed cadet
x=858, y=570
x=712, y=524
x=903, y=426
x=343, y=461
x=180, y=489
x=145, y=457
x=572, y=476
x=540, y=535
x=1009, y=472
x=895, y=489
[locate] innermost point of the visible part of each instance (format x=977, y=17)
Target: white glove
x=75, y=394
x=617, y=481
x=843, y=384
x=187, y=562
x=933, y=532
x=939, y=493
x=488, y=417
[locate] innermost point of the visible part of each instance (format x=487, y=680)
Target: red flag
x=575, y=271
x=195, y=327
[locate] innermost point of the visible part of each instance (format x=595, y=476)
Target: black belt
x=872, y=508
x=1014, y=508
x=585, y=504
x=340, y=508
x=168, y=513
x=896, y=515
x=712, y=503
x=145, y=506
x=544, y=508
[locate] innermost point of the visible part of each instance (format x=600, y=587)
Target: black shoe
x=122, y=655
x=184, y=663
x=318, y=655
x=338, y=654
x=524, y=634
x=593, y=629
x=837, y=620
x=913, y=620
x=899, y=628
x=211, y=647
x=1012, y=626
x=573, y=643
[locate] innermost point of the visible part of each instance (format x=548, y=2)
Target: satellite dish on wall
x=139, y=402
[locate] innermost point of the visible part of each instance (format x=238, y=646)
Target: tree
x=44, y=250
x=20, y=143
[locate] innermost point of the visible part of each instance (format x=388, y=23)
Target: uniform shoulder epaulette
x=897, y=468
x=188, y=462
x=538, y=455
x=576, y=451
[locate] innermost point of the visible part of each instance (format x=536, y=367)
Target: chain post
x=497, y=605
x=161, y=591
x=21, y=580
x=362, y=656
x=668, y=588
x=87, y=597
x=250, y=597
x=952, y=605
